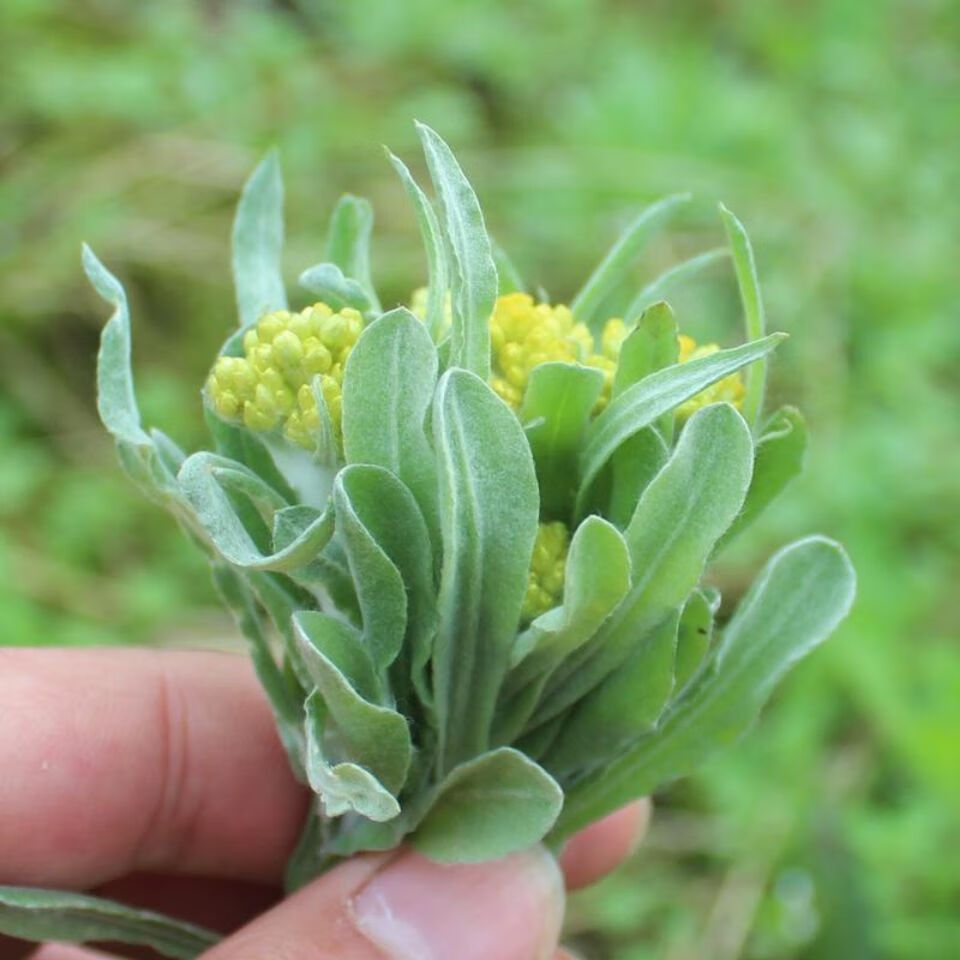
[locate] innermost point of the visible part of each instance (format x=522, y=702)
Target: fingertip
x=604, y=845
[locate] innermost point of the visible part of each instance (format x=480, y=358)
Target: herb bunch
x=465, y=540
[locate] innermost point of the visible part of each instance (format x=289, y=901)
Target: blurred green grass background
x=831, y=128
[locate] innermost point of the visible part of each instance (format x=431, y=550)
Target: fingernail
x=510, y=909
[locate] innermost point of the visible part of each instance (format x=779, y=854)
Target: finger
x=372, y=909
x=124, y=760
x=604, y=845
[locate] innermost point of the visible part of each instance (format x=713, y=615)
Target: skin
x=157, y=778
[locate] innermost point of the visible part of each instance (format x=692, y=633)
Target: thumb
x=409, y=908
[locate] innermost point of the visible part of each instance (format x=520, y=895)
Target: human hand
x=158, y=779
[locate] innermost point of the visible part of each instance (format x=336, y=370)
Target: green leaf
x=672, y=278
x=509, y=277
x=755, y=323
x=258, y=243
x=632, y=467
x=649, y=347
x=205, y=479
x=39, y=915
x=343, y=786
x=489, y=807
x=472, y=271
x=374, y=498
x=334, y=288
x=236, y=442
x=693, y=637
x=640, y=405
x=622, y=708
x=781, y=450
x=596, y=578
x=796, y=603
x=388, y=386
x=488, y=514
x=285, y=699
x=116, y=401
x=679, y=518
x=438, y=281
x=614, y=266
x=348, y=242
x=556, y=407
x=345, y=725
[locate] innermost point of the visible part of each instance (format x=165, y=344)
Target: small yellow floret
x=545, y=582
x=269, y=387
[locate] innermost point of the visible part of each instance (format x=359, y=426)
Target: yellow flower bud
x=547, y=568
x=287, y=349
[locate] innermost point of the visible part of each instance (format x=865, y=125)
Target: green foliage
x=829, y=127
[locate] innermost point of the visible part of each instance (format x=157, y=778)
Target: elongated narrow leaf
x=622, y=708
x=507, y=272
x=205, y=479
x=795, y=604
x=596, y=578
x=258, y=243
x=40, y=915
x=355, y=729
x=116, y=401
x=780, y=454
x=285, y=697
x=641, y=404
x=348, y=242
x=556, y=406
x=388, y=385
x=489, y=807
x=694, y=634
x=755, y=323
x=472, y=272
x=679, y=518
x=632, y=467
x=489, y=508
x=614, y=266
x=328, y=282
x=438, y=280
x=391, y=518
x=649, y=347
x=659, y=288
x=380, y=588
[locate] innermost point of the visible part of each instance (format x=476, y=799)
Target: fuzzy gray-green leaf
x=694, y=634
x=755, y=324
x=674, y=277
x=348, y=242
x=388, y=385
x=556, y=406
x=489, y=507
x=489, y=807
x=438, y=280
x=363, y=732
x=328, y=282
x=680, y=516
x=596, y=578
x=781, y=449
x=472, y=272
x=42, y=915
x=116, y=401
x=796, y=602
x=641, y=404
x=258, y=243
x=614, y=266
x=205, y=479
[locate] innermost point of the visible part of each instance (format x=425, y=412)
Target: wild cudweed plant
x=465, y=540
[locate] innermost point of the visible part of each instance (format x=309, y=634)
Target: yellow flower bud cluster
x=524, y=334
x=270, y=386
x=545, y=582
